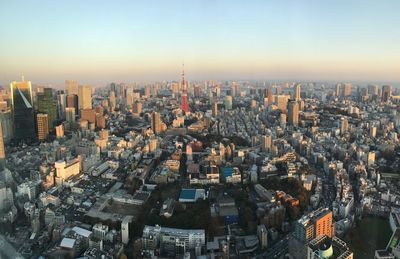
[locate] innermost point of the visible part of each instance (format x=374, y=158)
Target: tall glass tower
x=46, y=104
x=22, y=110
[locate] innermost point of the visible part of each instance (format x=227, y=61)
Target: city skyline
x=132, y=41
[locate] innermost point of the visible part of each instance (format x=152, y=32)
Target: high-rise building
x=147, y=91
x=344, y=125
x=155, y=122
x=70, y=114
x=89, y=115
x=22, y=110
x=2, y=151
x=137, y=108
x=228, y=102
x=266, y=143
x=338, y=90
x=234, y=89
x=85, y=97
x=112, y=100
x=71, y=86
x=7, y=125
x=42, y=126
x=125, y=229
x=61, y=104
x=281, y=102
x=46, y=104
x=386, y=93
x=270, y=96
x=262, y=234
x=347, y=90
x=60, y=131
x=372, y=90
x=296, y=94
x=184, y=100
x=293, y=113
x=72, y=102
x=315, y=224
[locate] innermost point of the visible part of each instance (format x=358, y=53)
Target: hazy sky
x=97, y=41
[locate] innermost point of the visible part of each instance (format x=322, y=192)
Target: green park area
x=369, y=235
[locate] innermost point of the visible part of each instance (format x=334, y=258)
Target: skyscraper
x=71, y=86
x=344, y=125
x=46, y=104
x=85, y=97
x=7, y=125
x=42, y=126
x=297, y=92
x=184, y=101
x=315, y=224
x=112, y=100
x=270, y=96
x=22, y=109
x=293, y=113
x=386, y=93
x=70, y=114
x=281, y=101
x=338, y=89
x=155, y=122
x=2, y=150
x=346, y=90
x=61, y=104
x=72, y=102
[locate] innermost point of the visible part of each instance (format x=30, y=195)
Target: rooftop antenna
x=23, y=78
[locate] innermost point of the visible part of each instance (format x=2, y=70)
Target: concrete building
x=65, y=170
x=85, y=97
x=42, y=126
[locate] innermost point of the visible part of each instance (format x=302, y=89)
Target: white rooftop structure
x=67, y=242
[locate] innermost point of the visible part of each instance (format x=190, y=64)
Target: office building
x=156, y=122
x=172, y=241
x=125, y=229
x=2, y=150
x=46, y=104
x=281, y=102
x=112, y=101
x=344, y=125
x=346, y=90
x=262, y=234
x=72, y=102
x=270, y=96
x=338, y=90
x=65, y=170
x=42, y=126
x=72, y=87
x=7, y=125
x=137, y=108
x=293, y=113
x=228, y=102
x=70, y=114
x=89, y=115
x=60, y=131
x=386, y=93
x=61, y=105
x=296, y=93
x=22, y=110
x=315, y=224
x=85, y=97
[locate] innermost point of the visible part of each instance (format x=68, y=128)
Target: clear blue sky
x=102, y=41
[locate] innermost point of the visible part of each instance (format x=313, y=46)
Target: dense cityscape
x=212, y=129
x=190, y=169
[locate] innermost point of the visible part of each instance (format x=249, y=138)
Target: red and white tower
x=184, y=101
